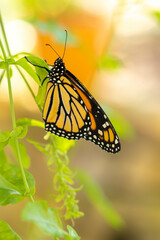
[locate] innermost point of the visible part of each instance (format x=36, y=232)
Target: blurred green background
x=113, y=48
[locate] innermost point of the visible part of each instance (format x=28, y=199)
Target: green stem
x=4, y=35
x=32, y=93
x=2, y=75
x=12, y=107
x=3, y=51
x=14, y=126
x=9, y=53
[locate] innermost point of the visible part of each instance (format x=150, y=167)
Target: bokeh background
x=114, y=49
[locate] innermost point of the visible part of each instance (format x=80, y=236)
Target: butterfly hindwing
x=101, y=130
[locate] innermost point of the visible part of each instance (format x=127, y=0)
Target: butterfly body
x=70, y=111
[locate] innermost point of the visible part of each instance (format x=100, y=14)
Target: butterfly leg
x=37, y=65
x=48, y=63
x=44, y=80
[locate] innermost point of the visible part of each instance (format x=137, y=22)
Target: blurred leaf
x=2, y=75
x=20, y=55
x=10, y=72
x=23, y=133
x=99, y=200
x=4, y=136
x=19, y=132
x=41, y=94
x=4, y=139
x=3, y=158
x=2, y=65
x=122, y=126
x=41, y=72
x=109, y=62
x=34, y=59
x=23, y=152
x=6, y=232
x=27, y=67
x=12, y=189
x=10, y=60
x=62, y=144
x=56, y=31
x=46, y=218
x=29, y=122
x=38, y=146
x=156, y=15
x=72, y=234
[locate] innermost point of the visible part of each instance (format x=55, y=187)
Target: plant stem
x=32, y=93
x=4, y=35
x=12, y=107
x=3, y=51
x=2, y=75
x=9, y=53
x=14, y=126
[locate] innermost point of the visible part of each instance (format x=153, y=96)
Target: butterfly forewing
x=63, y=113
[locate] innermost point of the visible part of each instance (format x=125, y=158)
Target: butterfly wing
x=63, y=111
x=101, y=130
x=70, y=111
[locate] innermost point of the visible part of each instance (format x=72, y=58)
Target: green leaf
x=4, y=136
x=23, y=152
x=20, y=55
x=10, y=60
x=55, y=30
x=41, y=94
x=29, y=122
x=3, y=158
x=62, y=144
x=19, y=132
x=122, y=126
x=40, y=71
x=23, y=133
x=109, y=62
x=99, y=200
x=2, y=65
x=10, y=72
x=12, y=189
x=46, y=218
x=156, y=15
x=27, y=67
x=38, y=145
x=72, y=234
x=4, y=139
x=6, y=232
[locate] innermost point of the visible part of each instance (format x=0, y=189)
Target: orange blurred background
x=127, y=85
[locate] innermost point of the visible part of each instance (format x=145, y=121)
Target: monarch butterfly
x=70, y=111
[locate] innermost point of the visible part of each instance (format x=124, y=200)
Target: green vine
x=12, y=106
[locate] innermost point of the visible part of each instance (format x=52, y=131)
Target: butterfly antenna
x=52, y=49
x=65, y=45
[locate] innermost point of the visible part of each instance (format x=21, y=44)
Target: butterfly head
x=59, y=62
x=59, y=67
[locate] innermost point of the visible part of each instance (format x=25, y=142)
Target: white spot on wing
x=100, y=132
x=116, y=141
